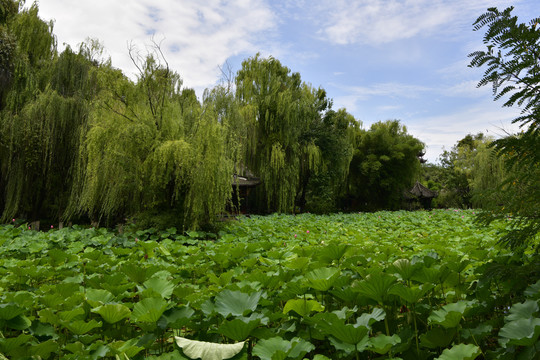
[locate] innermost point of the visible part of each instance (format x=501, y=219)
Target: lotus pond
x=386, y=285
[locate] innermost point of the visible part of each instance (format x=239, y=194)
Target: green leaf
x=405, y=268
x=238, y=329
x=44, y=349
x=381, y=343
x=20, y=322
x=320, y=357
x=97, y=297
x=521, y=332
x=127, y=348
x=278, y=348
x=175, y=318
x=236, y=303
x=332, y=251
x=410, y=294
x=524, y=310
x=347, y=333
x=207, y=350
x=460, y=352
x=367, y=319
x=149, y=310
x=135, y=272
x=73, y=314
x=79, y=327
x=437, y=337
x=449, y=315
x=376, y=286
x=112, y=313
x=10, y=344
x=161, y=287
x=533, y=291
x=302, y=307
x=9, y=311
x=322, y=279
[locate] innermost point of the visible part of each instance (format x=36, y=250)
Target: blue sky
x=380, y=59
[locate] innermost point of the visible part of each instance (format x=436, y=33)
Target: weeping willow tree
x=152, y=149
x=43, y=138
x=277, y=109
x=44, y=112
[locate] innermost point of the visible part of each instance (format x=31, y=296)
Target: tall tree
x=512, y=62
x=43, y=112
x=385, y=163
x=278, y=109
x=152, y=149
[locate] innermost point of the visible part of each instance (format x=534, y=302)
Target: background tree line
x=80, y=141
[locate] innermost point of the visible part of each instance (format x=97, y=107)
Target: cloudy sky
x=380, y=59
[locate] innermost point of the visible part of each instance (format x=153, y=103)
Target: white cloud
x=391, y=90
x=197, y=36
x=443, y=131
x=378, y=22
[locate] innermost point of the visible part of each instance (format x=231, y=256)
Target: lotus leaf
x=367, y=320
x=521, y=332
x=20, y=322
x=175, y=318
x=97, y=297
x=160, y=287
x=149, y=310
x=381, y=343
x=45, y=349
x=9, y=311
x=112, y=313
x=236, y=303
x=79, y=327
x=302, y=307
x=238, y=329
x=278, y=348
x=322, y=279
x=449, y=315
x=348, y=333
x=525, y=310
x=206, y=350
x=10, y=344
x=533, y=291
x=460, y=352
x=127, y=348
x=438, y=337
x=376, y=286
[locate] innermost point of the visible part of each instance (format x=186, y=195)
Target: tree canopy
x=80, y=141
x=512, y=62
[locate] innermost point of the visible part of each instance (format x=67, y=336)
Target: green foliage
x=403, y=284
x=170, y=156
x=43, y=140
x=513, y=69
x=385, y=163
x=290, y=140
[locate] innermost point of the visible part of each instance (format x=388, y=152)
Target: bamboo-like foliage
x=385, y=163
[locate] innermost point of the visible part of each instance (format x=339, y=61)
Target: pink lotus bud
x=295, y=236
x=307, y=231
x=52, y=226
x=13, y=220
